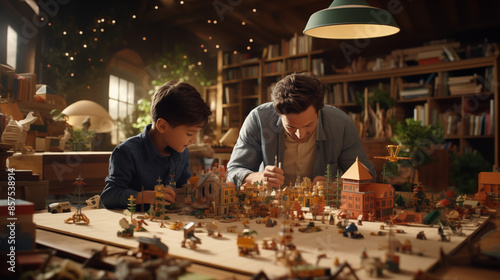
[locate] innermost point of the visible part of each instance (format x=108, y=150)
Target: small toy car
x=59, y=207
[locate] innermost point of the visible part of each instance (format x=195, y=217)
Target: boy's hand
x=149, y=197
x=169, y=194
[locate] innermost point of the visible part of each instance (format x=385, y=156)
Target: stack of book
x=464, y=85
x=415, y=90
x=430, y=57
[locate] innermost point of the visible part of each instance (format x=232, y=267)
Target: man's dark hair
x=179, y=104
x=296, y=92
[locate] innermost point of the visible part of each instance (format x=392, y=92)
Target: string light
x=254, y=10
x=84, y=46
x=199, y=63
x=156, y=7
x=243, y=23
x=182, y=2
x=215, y=22
x=248, y=47
x=81, y=32
x=205, y=50
x=250, y=40
x=64, y=33
x=113, y=21
x=134, y=16
x=144, y=38
x=72, y=74
x=164, y=66
x=66, y=54
x=209, y=21
x=217, y=46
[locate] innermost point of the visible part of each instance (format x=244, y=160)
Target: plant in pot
x=417, y=142
x=81, y=139
x=465, y=169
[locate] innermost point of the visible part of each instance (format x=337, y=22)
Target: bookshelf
x=246, y=81
x=469, y=117
x=468, y=114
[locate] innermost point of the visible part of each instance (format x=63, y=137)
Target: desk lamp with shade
x=89, y=116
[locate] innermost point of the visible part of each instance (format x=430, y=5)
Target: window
x=121, y=105
x=11, y=47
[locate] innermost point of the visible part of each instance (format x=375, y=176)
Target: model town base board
x=222, y=252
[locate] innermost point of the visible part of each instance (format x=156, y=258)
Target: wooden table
x=222, y=253
x=80, y=250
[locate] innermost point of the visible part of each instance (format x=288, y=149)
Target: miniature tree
x=131, y=206
x=329, y=177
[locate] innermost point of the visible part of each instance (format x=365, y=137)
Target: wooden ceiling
x=420, y=21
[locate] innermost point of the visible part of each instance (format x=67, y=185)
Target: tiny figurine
x=128, y=229
x=310, y=228
x=176, y=225
x=190, y=240
x=352, y=229
x=421, y=235
x=211, y=228
x=246, y=243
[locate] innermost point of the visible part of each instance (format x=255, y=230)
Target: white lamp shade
x=100, y=120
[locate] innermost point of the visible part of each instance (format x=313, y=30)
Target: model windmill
x=392, y=157
x=78, y=216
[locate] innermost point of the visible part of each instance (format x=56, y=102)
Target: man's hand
x=318, y=179
x=272, y=177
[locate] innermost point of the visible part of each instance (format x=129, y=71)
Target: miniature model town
x=344, y=213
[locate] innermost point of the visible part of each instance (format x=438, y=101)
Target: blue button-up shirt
x=136, y=163
x=262, y=137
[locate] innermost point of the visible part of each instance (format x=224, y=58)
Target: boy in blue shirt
x=159, y=154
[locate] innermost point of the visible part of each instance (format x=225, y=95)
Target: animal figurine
x=15, y=132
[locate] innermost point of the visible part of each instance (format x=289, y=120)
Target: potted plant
x=417, y=141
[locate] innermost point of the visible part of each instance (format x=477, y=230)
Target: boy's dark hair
x=179, y=104
x=296, y=92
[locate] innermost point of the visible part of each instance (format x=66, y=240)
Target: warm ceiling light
x=351, y=19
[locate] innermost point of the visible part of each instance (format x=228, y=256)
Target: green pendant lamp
x=351, y=19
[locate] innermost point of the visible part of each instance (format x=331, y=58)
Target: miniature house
x=488, y=189
x=361, y=197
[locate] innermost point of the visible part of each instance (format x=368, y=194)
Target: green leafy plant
x=465, y=169
x=417, y=141
x=176, y=65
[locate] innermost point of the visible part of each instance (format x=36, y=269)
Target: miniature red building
x=362, y=197
x=488, y=189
